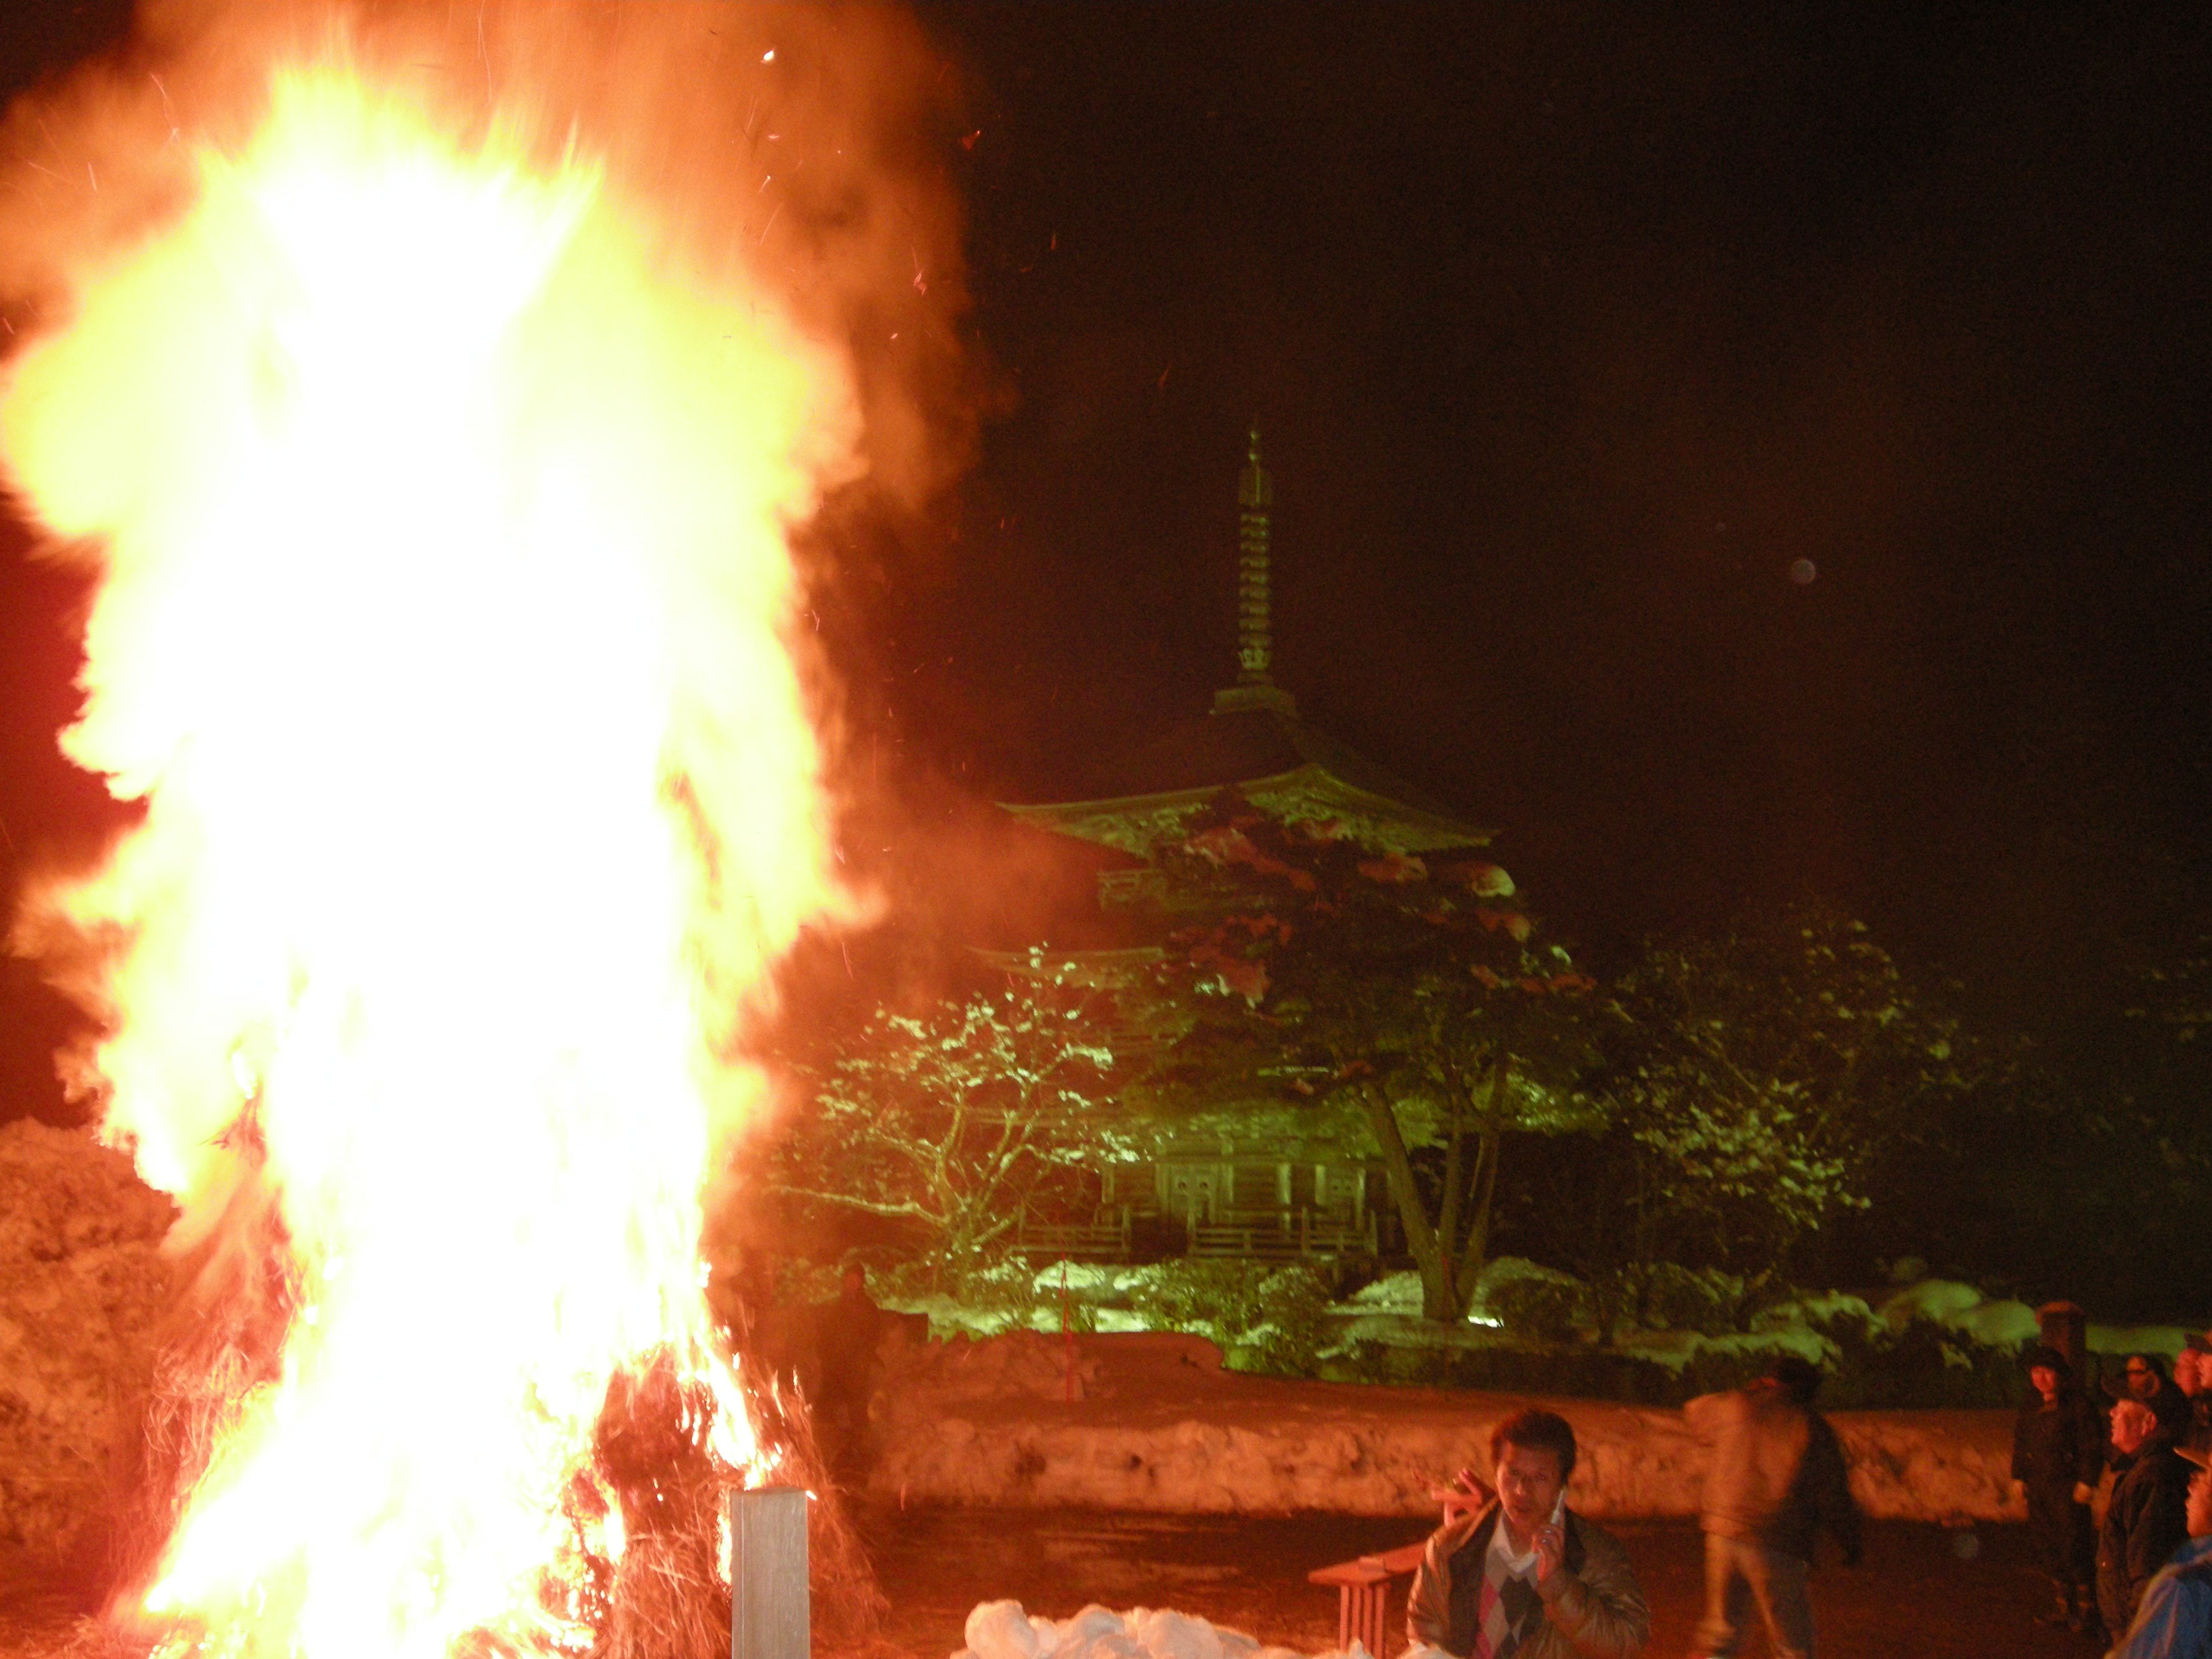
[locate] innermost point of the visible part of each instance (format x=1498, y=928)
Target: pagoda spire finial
x=1256, y=642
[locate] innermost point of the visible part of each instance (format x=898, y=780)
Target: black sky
x=1570, y=331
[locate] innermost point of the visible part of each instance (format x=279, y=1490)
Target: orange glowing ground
x=439, y=511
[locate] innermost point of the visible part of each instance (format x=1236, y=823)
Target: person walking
x=1522, y=1576
x=2174, y=1621
x=1777, y=1475
x=2146, y=1517
x=2057, y=1453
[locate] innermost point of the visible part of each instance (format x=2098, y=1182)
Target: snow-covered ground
x=1002, y=1629
x=1157, y=1424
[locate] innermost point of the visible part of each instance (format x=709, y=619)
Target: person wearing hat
x=2057, y=1453
x=2174, y=1621
x=2148, y=1514
x=2143, y=1377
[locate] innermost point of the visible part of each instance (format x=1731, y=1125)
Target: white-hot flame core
x=441, y=631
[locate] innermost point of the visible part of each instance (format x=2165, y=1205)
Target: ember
x=439, y=500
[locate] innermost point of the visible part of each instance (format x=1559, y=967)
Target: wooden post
x=767, y=1574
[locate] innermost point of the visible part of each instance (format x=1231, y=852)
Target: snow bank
x=2163, y=1339
x=1398, y=1292
x=1938, y=1299
x=82, y=1286
x=1963, y=1308
x=1093, y=1280
x=1001, y=1630
x=1676, y=1349
x=1161, y=1427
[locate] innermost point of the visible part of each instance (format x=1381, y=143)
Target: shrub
x=1707, y=1300
x=1550, y=1309
x=1265, y=1318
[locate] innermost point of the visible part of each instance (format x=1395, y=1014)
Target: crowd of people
x=2118, y=1493
x=2119, y=1498
x=1514, y=1573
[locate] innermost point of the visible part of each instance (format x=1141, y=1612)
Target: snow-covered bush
x=1707, y=1300
x=1881, y=1359
x=1536, y=1303
x=1266, y=1318
x=1398, y=1293
x=1968, y=1358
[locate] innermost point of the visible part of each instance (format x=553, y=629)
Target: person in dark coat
x=846, y=1331
x=2174, y=1618
x=2192, y=1375
x=2057, y=1453
x=2148, y=1517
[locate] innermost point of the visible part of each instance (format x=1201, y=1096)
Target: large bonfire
x=440, y=477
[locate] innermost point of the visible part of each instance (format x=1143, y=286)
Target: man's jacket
x=1592, y=1605
x=1777, y=1473
x=2147, y=1518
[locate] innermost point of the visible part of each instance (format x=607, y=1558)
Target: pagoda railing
x=1282, y=1234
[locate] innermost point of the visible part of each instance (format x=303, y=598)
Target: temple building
x=1244, y=1180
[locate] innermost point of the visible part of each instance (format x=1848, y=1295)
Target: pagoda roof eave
x=1136, y=823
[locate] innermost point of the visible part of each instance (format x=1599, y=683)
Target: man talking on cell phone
x=1522, y=1575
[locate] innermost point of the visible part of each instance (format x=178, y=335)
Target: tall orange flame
x=441, y=633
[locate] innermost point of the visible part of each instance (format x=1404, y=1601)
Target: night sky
x=1570, y=333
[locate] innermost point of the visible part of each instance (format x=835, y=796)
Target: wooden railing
x=1282, y=1236
x=1106, y=1239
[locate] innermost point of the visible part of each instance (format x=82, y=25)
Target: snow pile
x=1676, y=1349
x=81, y=1288
x=1809, y=1326
x=1500, y=1274
x=1398, y=1293
x=1388, y=1310
x=2164, y=1340
x=1096, y=1281
x=1962, y=1309
x=1939, y=1300
x=1163, y=1428
x=1001, y=1630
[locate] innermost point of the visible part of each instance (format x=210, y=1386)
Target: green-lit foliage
x=948, y=1121
x=1265, y=1318
x=2175, y=993
x=1407, y=994
x=1753, y=1079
